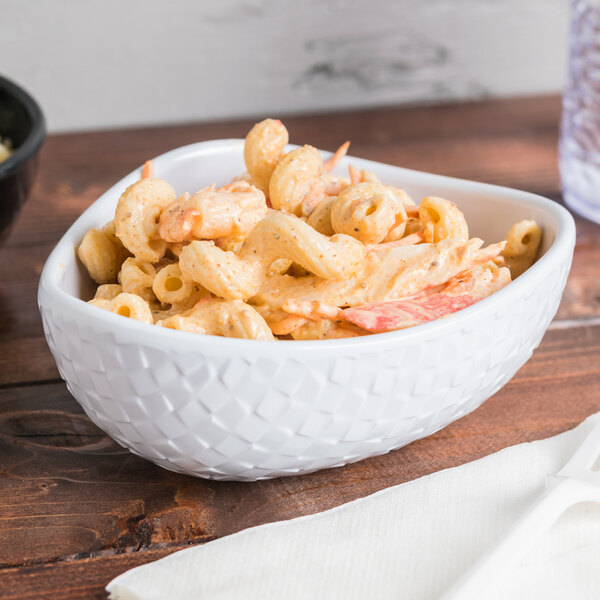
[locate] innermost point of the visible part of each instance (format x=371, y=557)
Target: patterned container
x=244, y=410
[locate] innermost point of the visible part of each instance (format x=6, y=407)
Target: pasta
x=387, y=273
x=264, y=147
x=368, y=212
x=288, y=250
x=137, y=216
x=441, y=219
x=102, y=254
x=5, y=148
x=522, y=242
x=171, y=286
x=277, y=236
x=108, y=291
x=136, y=277
x=320, y=218
x=296, y=179
x=227, y=318
x=126, y=305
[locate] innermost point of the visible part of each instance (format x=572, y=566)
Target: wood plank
x=82, y=579
x=24, y=354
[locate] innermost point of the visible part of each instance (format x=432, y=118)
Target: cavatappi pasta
x=287, y=250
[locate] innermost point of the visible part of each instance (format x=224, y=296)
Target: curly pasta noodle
x=137, y=216
x=136, y=277
x=522, y=243
x=228, y=318
x=277, y=236
x=297, y=176
x=102, y=253
x=126, y=305
x=262, y=150
x=441, y=220
x=368, y=212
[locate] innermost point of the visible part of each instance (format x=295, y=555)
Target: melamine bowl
x=244, y=410
x=22, y=121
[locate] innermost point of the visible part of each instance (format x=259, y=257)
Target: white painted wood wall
x=111, y=63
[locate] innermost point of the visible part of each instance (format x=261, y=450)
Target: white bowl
x=235, y=409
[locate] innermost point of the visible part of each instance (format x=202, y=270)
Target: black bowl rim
x=36, y=136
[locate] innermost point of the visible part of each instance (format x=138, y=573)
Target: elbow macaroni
x=522, y=243
x=320, y=218
x=263, y=149
x=137, y=216
x=441, y=220
x=368, y=212
x=126, y=305
x=102, y=254
x=298, y=175
x=136, y=277
x=332, y=258
x=227, y=318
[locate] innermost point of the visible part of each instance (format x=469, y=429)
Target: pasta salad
x=288, y=250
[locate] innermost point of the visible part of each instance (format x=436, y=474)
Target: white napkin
x=409, y=542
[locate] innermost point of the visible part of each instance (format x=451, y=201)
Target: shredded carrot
x=315, y=194
x=287, y=325
x=314, y=310
x=409, y=240
x=355, y=174
x=335, y=159
x=411, y=211
x=148, y=169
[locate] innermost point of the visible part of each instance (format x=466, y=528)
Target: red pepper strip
x=399, y=314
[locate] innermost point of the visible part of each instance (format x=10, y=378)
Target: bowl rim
x=153, y=336
x=37, y=134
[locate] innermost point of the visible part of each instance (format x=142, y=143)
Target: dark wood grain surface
x=77, y=510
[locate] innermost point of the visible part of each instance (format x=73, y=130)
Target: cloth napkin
x=410, y=541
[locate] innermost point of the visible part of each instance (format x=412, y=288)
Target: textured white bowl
x=245, y=410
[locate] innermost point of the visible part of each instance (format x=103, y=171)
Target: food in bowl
x=22, y=129
x=5, y=148
x=238, y=409
x=289, y=251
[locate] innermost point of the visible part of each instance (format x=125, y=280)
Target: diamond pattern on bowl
x=246, y=418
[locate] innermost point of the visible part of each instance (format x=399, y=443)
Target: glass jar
x=579, y=146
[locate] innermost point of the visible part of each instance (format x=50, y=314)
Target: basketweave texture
x=243, y=416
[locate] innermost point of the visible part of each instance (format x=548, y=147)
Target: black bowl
x=22, y=121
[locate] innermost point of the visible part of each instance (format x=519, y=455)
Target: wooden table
x=77, y=510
